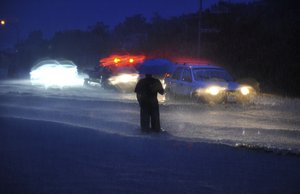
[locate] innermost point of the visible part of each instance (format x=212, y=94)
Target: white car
x=53, y=73
x=208, y=83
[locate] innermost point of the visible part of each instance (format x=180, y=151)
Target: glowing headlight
x=213, y=90
x=245, y=90
x=123, y=78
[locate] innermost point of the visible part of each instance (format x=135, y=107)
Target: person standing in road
x=146, y=91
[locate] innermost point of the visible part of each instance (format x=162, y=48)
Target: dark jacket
x=147, y=89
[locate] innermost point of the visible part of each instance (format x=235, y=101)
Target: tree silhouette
x=259, y=40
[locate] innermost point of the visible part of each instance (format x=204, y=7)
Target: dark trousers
x=150, y=113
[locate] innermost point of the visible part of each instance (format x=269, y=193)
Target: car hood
x=231, y=86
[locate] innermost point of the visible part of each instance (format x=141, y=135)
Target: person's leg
x=145, y=118
x=155, y=120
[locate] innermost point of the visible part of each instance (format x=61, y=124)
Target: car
x=207, y=83
x=117, y=72
x=55, y=73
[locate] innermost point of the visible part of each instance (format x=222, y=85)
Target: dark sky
x=50, y=16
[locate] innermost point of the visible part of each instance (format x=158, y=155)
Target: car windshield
x=201, y=74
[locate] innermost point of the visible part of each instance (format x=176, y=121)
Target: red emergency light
x=122, y=60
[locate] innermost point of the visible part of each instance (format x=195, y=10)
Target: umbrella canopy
x=156, y=67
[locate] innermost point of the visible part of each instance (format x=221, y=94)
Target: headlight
x=123, y=78
x=245, y=90
x=214, y=90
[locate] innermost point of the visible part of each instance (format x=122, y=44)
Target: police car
x=207, y=83
x=116, y=71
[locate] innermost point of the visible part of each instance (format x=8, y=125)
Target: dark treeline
x=256, y=40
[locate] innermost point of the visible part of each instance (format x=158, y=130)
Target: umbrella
x=156, y=67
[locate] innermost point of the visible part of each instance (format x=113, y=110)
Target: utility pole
x=199, y=28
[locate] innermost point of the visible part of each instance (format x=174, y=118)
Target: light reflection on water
x=271, y=121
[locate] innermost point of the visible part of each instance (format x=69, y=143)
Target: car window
x=209, y=74
x=187, y=76
x=177, y=73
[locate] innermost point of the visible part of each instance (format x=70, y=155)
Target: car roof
x=66, y=62
x=53, y=62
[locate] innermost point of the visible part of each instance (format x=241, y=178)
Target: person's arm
x=138, y=97
x=137, y=90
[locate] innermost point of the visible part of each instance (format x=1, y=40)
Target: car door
x=186, y=82
x=174, y=84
